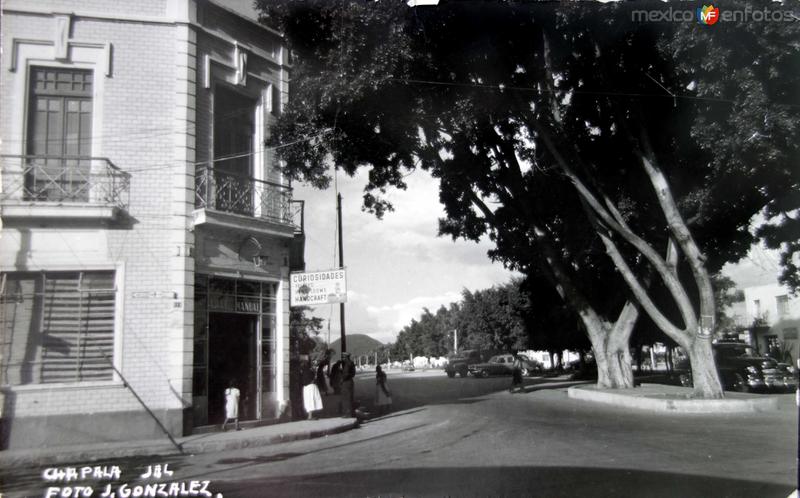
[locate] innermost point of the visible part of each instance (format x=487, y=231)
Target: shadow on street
x=503, y=481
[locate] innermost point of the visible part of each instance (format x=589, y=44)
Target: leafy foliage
x=303, y=331
x=495, y=99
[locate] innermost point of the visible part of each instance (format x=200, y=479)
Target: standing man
x=348, y=373
x=231, y=405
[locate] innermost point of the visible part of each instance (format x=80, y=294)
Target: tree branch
x=687, y=244
x=667, y=276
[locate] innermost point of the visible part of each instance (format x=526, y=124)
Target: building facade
x=771, y=318
x=147, y=233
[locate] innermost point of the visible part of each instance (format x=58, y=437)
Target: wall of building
x=782, y=323
x=151, y=118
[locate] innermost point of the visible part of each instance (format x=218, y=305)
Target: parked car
x=460, y=362
x=501, y=364
x=741, y=369
x=529, y=365
x=789, y=376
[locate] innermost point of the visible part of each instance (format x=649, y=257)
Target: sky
x=398, y=266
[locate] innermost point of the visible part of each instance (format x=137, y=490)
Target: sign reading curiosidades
x=318, y=287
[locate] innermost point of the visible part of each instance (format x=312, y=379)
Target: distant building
x=147, y=233
x=770, y=319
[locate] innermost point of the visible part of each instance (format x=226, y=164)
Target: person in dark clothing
x=348, y=373
x=516, y=375
x=383, y=398
x=336, y=377
x=323, y=369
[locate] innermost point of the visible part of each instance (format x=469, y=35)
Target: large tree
x=546, y=123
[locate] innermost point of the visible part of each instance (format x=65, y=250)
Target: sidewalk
x=673, y=399
x=198, y=443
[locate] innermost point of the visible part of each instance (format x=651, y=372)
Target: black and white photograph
x=399, y=248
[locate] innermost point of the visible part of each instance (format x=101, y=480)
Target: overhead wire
x=601, y=93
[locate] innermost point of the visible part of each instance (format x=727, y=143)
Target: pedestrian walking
x=347, y=401
x=312, y=401
x=232, y=395
x=383, y=398
x=516, y=375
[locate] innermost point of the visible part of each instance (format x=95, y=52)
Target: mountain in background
x=357, y=344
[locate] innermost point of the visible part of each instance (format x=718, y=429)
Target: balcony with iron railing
x=62, y=187
x=240, y=202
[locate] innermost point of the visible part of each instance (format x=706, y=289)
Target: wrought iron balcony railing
x=231, y=193
x=298, y=216
x=64, y=179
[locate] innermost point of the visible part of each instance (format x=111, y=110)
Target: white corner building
x=147, y=235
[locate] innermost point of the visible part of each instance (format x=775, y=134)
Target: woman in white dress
x=231, y=405
x=312, y=400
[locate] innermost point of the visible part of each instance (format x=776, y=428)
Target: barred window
x=57, y=327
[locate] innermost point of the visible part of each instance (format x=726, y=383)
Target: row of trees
x=489, y=319
x=619, y=162
x=523, y=315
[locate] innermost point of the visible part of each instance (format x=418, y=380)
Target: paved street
x=471, y=437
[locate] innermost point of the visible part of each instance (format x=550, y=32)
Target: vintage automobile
x=741, y=369
x=529, y=365
x=503, y=364
x=460, y=362
x=789, y=376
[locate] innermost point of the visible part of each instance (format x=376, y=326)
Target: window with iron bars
x=57, y=327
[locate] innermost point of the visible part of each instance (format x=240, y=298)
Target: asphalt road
x=471, y=437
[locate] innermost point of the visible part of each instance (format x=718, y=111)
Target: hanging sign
x=318, y=287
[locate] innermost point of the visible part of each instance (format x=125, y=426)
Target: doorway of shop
x=232, y=356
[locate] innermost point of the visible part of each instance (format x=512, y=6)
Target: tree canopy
x=563, y=131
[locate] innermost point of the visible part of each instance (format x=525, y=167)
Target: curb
x=679, y=403
x=88, y=455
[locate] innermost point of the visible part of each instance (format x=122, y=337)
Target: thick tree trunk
x=611, y=350
x=704, y=371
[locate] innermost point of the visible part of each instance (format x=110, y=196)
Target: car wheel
x=484, y=373
x=526, y=372
x=739, y=384
x=451, y=374
x=686, y=380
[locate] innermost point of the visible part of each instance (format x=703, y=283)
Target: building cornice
x=133, y=18
x=39, y=11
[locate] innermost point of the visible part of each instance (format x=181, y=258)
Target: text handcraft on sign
x=318, y=287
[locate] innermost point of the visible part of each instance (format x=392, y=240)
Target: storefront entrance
x=232, y=346
x=234, y=339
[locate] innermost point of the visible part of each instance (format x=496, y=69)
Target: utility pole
x=341, y=265
x=455, y=341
